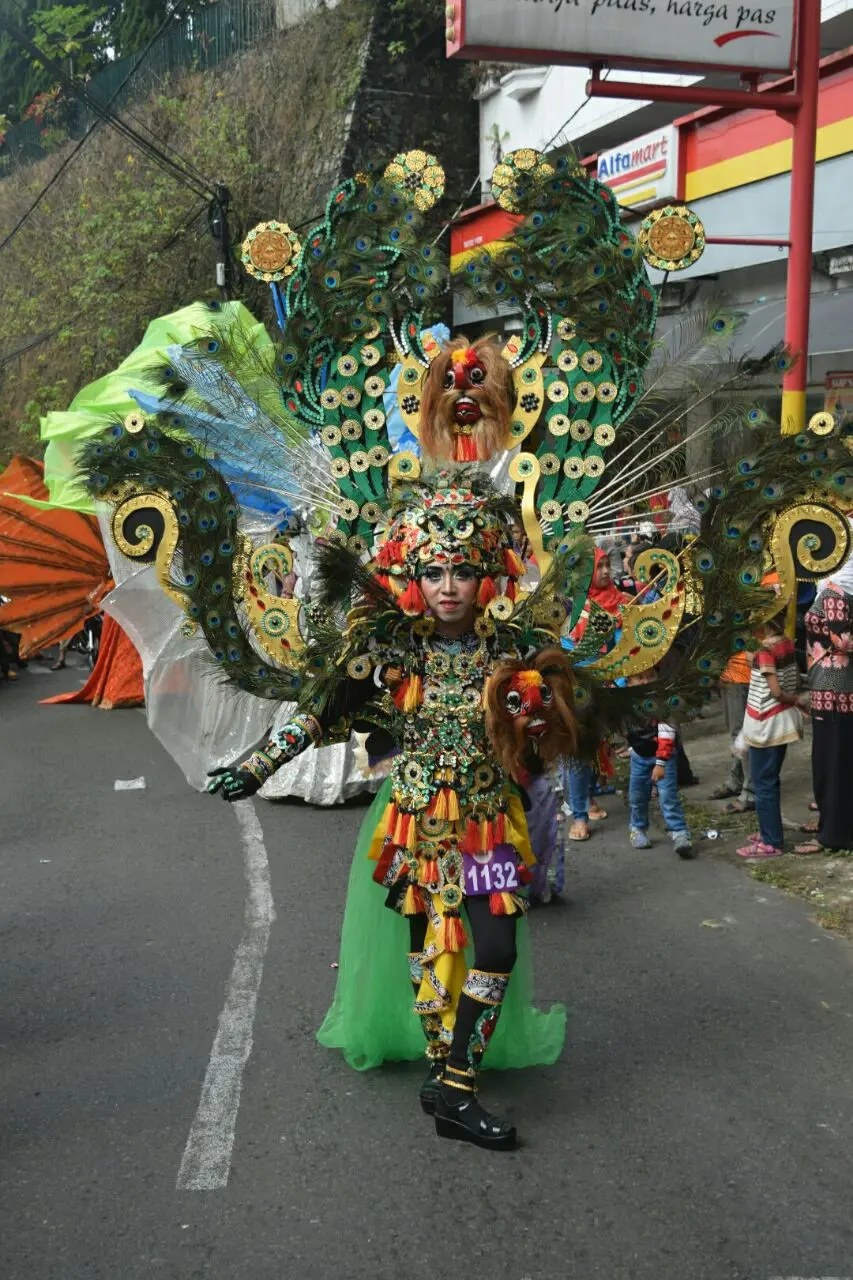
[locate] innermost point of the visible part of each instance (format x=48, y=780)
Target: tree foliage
x=73, y=36
x=20, y=79
x=118, y=241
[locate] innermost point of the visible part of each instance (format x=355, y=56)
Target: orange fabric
x=53, y=565
x=738, y=669
x=116, y=680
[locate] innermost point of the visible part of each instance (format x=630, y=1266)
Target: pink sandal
x=756, y=848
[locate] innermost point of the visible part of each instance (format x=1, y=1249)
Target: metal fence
x=199, y=42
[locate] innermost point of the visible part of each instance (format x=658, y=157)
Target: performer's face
x=450, y=592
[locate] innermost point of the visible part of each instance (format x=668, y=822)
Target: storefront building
x=733, y=170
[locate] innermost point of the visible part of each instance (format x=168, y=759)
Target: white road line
x=207, y=1156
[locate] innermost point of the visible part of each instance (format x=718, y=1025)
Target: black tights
x=494, y=952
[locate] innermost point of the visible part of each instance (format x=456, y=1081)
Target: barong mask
x=530, y=715
x=467, y=403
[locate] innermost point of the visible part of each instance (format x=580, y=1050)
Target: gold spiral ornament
x=134, y=532
x=810, y=540
x=274, y=621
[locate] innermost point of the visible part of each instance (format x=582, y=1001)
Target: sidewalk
x=825, y=881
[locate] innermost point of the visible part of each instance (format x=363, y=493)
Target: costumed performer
x=453, y=835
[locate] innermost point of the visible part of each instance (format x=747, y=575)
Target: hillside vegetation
x=118, y=240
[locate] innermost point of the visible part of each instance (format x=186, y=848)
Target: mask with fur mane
x=467, y=402
x=530, y=715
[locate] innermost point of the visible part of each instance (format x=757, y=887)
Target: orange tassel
x=392, y=815
x=513, y=563
x=409, y=695
x=390, y=553
x=414, y=694
x=511, y=589
x=429, y=874
x=412, y=835
x=471, y=843
x=438, y=808
x=497, y=906
x=401, y=830
x=500, y=829
x=400, y=696
x=396, y=586
x=413, y=903
x=487, y=836
x=382, y=580
x=466, y=449
x=452, y=934
x=452, y=800
x=412, y=601
x=486, y=592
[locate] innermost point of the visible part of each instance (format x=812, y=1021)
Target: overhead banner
x=682, y=34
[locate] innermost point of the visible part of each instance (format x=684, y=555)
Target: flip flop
x=814, y=807
x=735, y=806
x=810, y=828
x=578, y=830
x=808, y=847
x=596, y=813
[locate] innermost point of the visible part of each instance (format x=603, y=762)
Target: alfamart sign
x=683, y=34
x=644, y=171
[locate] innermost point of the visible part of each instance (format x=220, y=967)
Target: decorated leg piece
x=436, y=1046
x=458, y=1114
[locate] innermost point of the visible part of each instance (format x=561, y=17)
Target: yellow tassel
x=414, y=694
x=412, y=835
x=389, y=818
x=412, y=902
x=439, y=805
x=452, y=804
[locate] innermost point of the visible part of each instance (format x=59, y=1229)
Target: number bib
x=492, y=872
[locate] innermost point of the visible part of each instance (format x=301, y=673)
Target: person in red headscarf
x=580, y=776
x=603, y=592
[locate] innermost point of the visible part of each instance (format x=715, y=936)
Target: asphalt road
x=699, y=1124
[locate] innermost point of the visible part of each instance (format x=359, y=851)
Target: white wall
x=289, y=12
x=534, y=120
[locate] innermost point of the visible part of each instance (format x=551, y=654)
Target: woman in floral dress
x=829, y=625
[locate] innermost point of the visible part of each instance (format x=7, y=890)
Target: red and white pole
x=802, y=217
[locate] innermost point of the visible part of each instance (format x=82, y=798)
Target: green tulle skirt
x=371, y=1018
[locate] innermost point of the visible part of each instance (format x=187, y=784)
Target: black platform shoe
x=429, y=1088
x=467, y=1121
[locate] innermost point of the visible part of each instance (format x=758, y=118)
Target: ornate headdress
x=456, y=522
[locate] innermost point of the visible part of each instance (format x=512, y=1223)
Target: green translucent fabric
x=93, y=406
x=371, y=1018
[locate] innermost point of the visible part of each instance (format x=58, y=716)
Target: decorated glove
x=286, y=743
x=233, y=784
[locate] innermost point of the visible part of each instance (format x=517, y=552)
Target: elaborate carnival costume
x=471, y=716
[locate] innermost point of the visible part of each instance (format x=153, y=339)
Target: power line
x=196, y=213
x=180, y=169
x=563, y=127
x=68, y=159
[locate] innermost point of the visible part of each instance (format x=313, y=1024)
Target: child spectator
x=772, y=720
x=653, y=761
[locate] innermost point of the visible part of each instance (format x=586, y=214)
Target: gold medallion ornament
x=672, y=238
x=134, y=423
x=516, y=175
x=822, y=424
x=270, y=251
x=419, y=175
